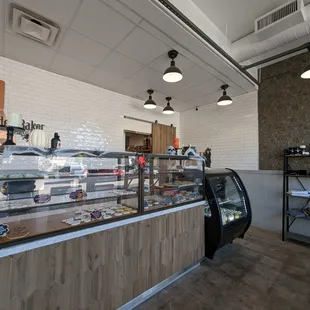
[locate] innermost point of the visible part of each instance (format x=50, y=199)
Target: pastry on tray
x=43, y=198
x=4, y=229
x=78, y=194
x=18, y=232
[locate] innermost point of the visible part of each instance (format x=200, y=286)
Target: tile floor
x=260, y=272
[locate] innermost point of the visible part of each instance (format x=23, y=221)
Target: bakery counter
x=105, y=266
x=95, y=242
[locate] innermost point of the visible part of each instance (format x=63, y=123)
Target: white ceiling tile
x=27, y=51
x=82, y=48
x=209, y=86
x=156, y=33
x=189, y=94
x=163, y=62
x=61, y=11
x=104, y=79
x=169, y=89
x=146, y=77
x=141, y=46
x=100, y=23
x=71, y=67
x=120, y=65
x=122, y=9
x=127, y=87
x=187, y=54
x=195, y=75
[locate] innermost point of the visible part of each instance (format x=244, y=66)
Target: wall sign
x=28, y=126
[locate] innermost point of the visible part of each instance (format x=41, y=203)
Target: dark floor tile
x=259, y=272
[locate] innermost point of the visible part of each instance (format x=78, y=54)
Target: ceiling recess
x=33, y=26
x=284, y=17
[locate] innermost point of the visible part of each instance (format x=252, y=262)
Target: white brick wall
x=85, y=116
x=231, y=132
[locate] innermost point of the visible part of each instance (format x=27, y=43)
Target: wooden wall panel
x=162, y=137
x=103, y=270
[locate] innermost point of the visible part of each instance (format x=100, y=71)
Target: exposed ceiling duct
x=251, y=46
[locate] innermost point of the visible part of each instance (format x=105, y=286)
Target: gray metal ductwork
x=250, y=46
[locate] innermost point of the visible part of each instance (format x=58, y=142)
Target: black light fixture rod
x=275, y=57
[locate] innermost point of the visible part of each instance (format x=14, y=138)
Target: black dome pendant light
x=173, y=74
x=168, y=109
x=150, y=103
x=224, y=100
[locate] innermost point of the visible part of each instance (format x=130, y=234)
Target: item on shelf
x=176, y=143
x=171, y=150
x=208, y=211
x=78, y=194
x=14, y=120
x=297, y=172
x=55, y=142
x=38, y=138
x=307, y=212
x=4, y=229
x=43, y=198
x=75, y=223
x=299, y=193
x=296, y=150
x=18, y=232
x=96, y=215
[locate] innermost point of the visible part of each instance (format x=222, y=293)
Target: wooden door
x=162, y=137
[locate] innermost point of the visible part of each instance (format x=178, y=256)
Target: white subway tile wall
x=85, y=116
x=230, y=131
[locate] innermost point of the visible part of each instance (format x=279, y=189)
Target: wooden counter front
x=103, y=270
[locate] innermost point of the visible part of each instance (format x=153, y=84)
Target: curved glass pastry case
x=228, y=214
x=45, y=192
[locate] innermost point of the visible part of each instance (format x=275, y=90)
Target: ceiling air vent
x=33, y=26
x=285, y=16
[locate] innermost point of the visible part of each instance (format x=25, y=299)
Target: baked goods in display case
x=170, y=183
x=47, y=191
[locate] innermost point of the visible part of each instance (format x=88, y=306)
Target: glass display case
x=46, y=191
x=228, y=214
x=172, y=181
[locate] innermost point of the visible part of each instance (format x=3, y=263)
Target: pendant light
x=168, y=109
x=150, y=103
x=173, y=74
x=224, y=100
x=306, y=73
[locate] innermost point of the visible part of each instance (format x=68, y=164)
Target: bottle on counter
x=55, y=142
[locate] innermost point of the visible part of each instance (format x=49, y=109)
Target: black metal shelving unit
x=290, y=215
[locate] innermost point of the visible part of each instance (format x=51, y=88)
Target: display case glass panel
x=172, y=181
x=44, y=193
x=230, y=197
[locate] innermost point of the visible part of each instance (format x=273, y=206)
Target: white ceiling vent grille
x=32, y=25
x=280, y=19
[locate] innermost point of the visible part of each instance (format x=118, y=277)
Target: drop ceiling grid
x=136, y=50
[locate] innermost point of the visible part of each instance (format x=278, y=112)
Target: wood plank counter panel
x=103, y=270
